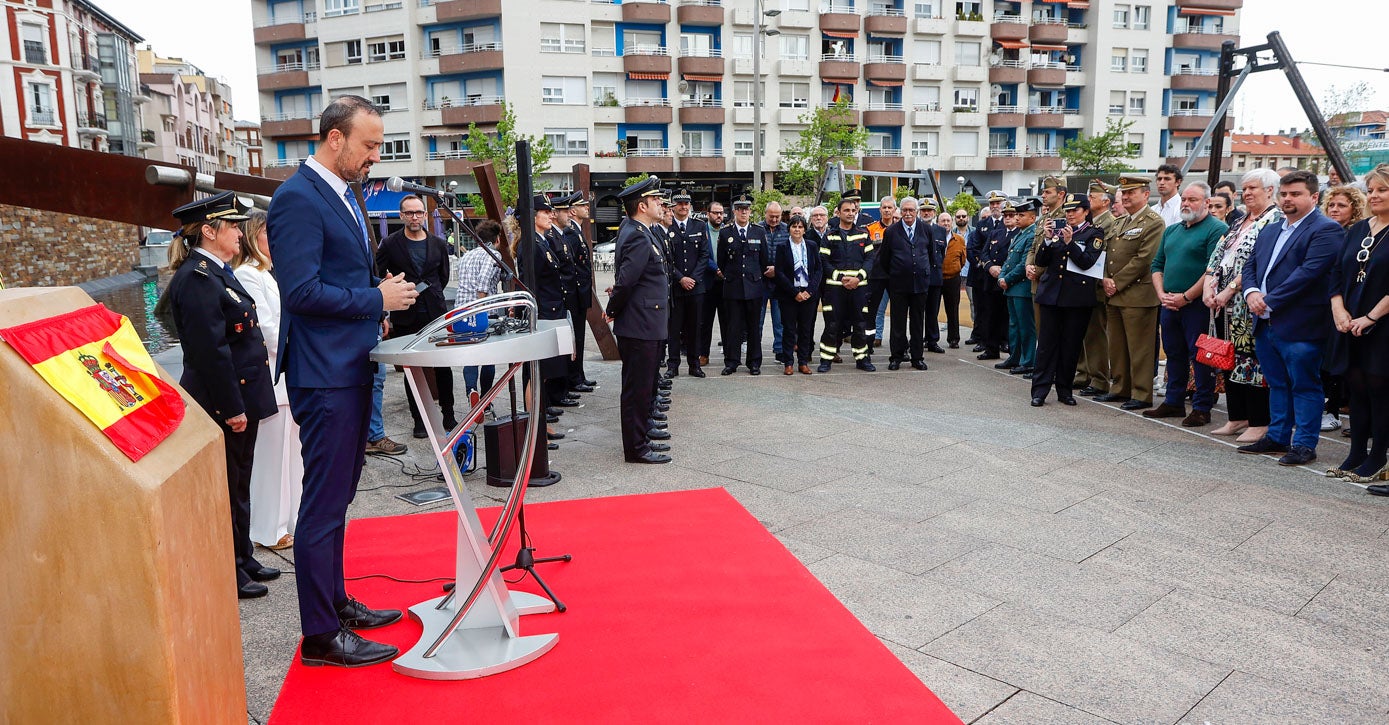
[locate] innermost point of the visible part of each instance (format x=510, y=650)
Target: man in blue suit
x=1286, y=285
x=333, y=307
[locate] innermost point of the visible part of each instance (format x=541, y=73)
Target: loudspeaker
x=502, y=438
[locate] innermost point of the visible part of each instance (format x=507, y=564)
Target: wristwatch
x=1233, y=286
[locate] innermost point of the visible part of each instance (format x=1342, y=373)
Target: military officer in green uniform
x=1132, y=306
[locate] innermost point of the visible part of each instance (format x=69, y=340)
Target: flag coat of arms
x=94, y=359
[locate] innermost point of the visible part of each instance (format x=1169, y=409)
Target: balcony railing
x=1195, y=112
x=1048, y=20
x=147, y=136
x=702, y=153
x=884, y=106
x=1005, y=153
x=1202, y=30
x=648, y=152
x=42, y=117
x=1011, y=63
x=1045, y=153
x=35, y=53
x=292, y=116
x=287, y=67
x=830, y=106
x=885, y=58
x=1053, y=109
x=305, y=19
x=645, y=50
x=465, y=101
x=845, y=57
x=705, y=3
x=883, y=152
x=94, y=121
x=833, y=7
x=886, y=11
x=1006, y=109
x=631, y=102
x=279, y=163
x=457, y=49
x=1009, y=18
x=701, y=53
x=1189, y=71
x=447, y=155
x=927, y=107
x=701, y=102
x=1053, y=64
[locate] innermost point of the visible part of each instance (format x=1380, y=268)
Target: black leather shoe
x=671, y=372
x=934, y=347
x=1379, y=489
x=1263, y=445
x=450, y=422
x=262, y=573
x=1021, y=370
x=696, y=372
x=954, y=346
x=649, y=457
x=894, y=365
x=591, y=383
x=1008, y=364
x=663, y=407
x=823, y=367
x=554, y=436
x=582, y=388
x=1136, y=405
x=918, y=364
x=657, y=425
x=866, y=365
x=977, y=348
x=419, y=431
x=1029, y=376
x=569, y=403
x=1038, y=402
x=355, y=615
x=754, y=371
x=344, y=648
x=971, y=341
x=1111, y=398
x=657, y=447
x=656, y=434
x=663, y=384
x=1091, y=391
x=728, y=370
x=552, y=446
x=658, y=416
x=1298, y=456
x=1067, y=400
x=252, y=590
x=552, y=410
x=986, y=355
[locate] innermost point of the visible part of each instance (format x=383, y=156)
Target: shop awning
x=1204, y=11
x=706, y=79
x=884, y=84
x=1046, y=48
x=836, y=34
x=648, y=76
x=1011, y=44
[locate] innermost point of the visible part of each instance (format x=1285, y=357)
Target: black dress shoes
x=866, y=366
x=262, y=573
x=729, y=370
x=658, y=416
x=1136, y=405
x=657, y=425
x=1379, y=489
x=696, y=372
x=987, y=355
x=552, y=410
x=554, y=436
x=1067, y=400
x=344, y=648
x=671, y=372
x=582, y=388
x=355, y=615
x=1008, y=364
x=1263, y=445
x=1298, y=456
x=754, y=371
x=918, y=364
x=656, y=434
x=663, y=384
x=552, y=419
x=970, y=341
x=252, y=590
x=1021, y=370
x=1029, y=376
x=569, y=403
x=933, y=347
x=657, y=447
x=649, y=457
x=1090, y=391
x=823, y=367
x=591, y=383
x=1038, y=402
x=1111, y=398
x=419, y=431
x=894, y=365
x=977, y=348
x=954, y=346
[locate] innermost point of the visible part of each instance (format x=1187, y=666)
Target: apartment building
x=189, y=119
x=988, y=90
x=71, y=76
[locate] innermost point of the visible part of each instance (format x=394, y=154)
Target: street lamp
x=758, y=13
x=961, y=181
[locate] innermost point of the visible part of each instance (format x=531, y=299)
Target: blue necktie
x=356, y=214
x=228, y=267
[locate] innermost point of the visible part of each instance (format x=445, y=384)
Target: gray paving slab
x=905, y=546
x=968, y=694
x=1104, y=674
x=1140, y=481
x=1245, y=698
x=889, y=497
x=1361, y=604
x=1069, y=539
x=1129, y=509
x=1026, y=708
x=1318, y=549
x=777, y=509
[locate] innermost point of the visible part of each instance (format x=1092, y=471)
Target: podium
x=474, y=630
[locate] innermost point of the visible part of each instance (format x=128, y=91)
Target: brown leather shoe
x=805, y=370
x=1165, y=411
x=790, y=370
x=703, y=359
x=1197, y=419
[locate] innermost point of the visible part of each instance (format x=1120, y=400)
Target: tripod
x=526, y=561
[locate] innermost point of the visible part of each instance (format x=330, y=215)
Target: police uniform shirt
x=743, y=257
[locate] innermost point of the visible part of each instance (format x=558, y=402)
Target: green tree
x=1104, y=153
x=963, y=200
x=760, y=200
x=499, y=147
x=643, y=176
x=830, y=135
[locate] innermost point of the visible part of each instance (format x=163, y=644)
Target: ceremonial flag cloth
x=95, y=360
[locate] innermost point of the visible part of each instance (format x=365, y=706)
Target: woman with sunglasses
x=1360, y=300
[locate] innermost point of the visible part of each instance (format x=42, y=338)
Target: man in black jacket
x=424, y=259
x=908, y=261
x=974, y=244
x=745, y=260
x=689, y=260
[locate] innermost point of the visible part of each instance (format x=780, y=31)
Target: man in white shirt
x=1169, y=204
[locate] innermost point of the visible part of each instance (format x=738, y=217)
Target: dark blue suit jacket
x=1298, y=290
x=785, y=262
x=331, y=309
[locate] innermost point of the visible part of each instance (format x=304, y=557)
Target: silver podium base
x=469, y=653
x=527, y=603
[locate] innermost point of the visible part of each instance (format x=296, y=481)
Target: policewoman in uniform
x=551, y=293
x=226, y=365
x=1066, y=299
x=638, y=307
x=745, y=259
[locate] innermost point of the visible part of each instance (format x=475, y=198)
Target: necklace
x=1367, y=247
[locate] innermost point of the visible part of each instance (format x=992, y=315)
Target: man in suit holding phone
x=334, y=307
x=1287, y=287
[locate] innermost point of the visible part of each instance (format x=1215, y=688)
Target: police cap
x=225, y=206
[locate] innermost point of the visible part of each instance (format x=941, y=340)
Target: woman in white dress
x=277, y=475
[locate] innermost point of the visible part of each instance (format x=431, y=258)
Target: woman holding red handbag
x=1246, y=394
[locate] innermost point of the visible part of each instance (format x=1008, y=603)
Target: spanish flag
x=95, y=360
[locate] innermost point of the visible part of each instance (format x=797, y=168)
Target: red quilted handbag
x=1214, y=352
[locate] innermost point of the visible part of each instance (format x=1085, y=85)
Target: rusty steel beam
x=602, y=334
x=246, y=184
x=88, y=183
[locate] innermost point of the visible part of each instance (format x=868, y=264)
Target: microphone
x=395, y=183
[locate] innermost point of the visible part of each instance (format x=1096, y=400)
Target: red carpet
x=682, y=608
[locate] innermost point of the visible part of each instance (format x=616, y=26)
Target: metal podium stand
x=478, y=635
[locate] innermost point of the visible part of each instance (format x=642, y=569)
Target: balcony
x=885, y=69
x=1195, y=79
x=646, y=59
x=649, y=160
x=834, y=66
x=884, y=114
x=1008, y=71
x=967, y=116
x=85, y=70
x=932, y=25
x=789, y=67
x=884, y=160
x=1197, y=37
x=647, y=110
x=1006, y=117
x=849, y=116
x=1047, y=116
x=972, y=28
x=1190, y=119
x=283, y=29
x=1045, y=160
x=1051, y=32
x=1003, y=160
x=1008, y=27
x=146, y=140
x=482, y=110
x=1202, y=163
x=1212, y=4
x=703, y=160
x=468, y=58
x=885, y=21
x=928, y=114
x=839, y=19
x=702, y=63
x=970, y=73
x=1051, y=74
x=282, y=169
x=699, y=12
x=455, y=10
x=94, y=125
x=282, y=125
x=708, y=112
x=655, y=12
x=284, y=75
x=928, y=72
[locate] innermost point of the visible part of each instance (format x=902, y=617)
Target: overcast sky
x=216, y=36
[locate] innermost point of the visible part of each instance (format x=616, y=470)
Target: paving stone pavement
x=1052, y=565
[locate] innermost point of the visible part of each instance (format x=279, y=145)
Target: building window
x=562, y=90
x=966, y=53
x=605, y=89
x=795, y=47
x=925, y=143
x=1117, y=100
x=1135, y=144
x=1138, y=60
x=1142, y=17
x=568, y=141
x=41, y=110
x=1138, y=103
x=701, y=93
x=333, y=8
x=382, y=49
x=376, y=51
x=1119, y=60
x=795, y=95
x=1121, y=16
x=561, y=38
x=395, y=50
x=967, y=100
x=698, y=143
x=396, y=148
x=35, y=49
x=926, y=52
x=743, y=93
x=927, y=8
x=353, y=51
x=742, y=143
x=927, y=98
x=742, y=45
x=696, y=45
x=964, y=143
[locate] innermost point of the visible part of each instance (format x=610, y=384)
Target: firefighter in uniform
x=848, y=257
x=745, y=259
x=689, y=258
